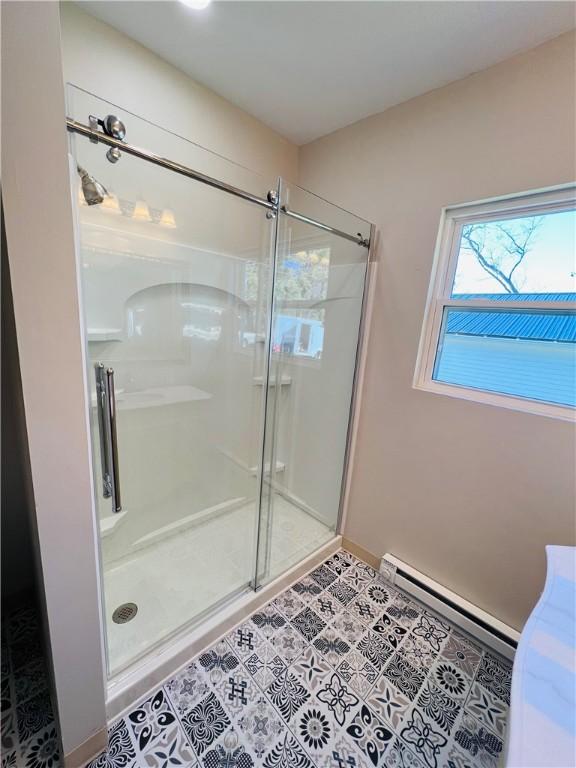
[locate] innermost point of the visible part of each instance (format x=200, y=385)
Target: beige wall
x=113, y=66
x=468, y=493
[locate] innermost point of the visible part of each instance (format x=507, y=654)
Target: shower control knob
x=114, y=127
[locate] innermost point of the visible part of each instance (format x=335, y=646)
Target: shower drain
x=124, y=613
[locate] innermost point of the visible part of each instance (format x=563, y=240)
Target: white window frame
x=452, y=219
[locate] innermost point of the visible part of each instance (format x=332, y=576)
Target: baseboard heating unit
x=469, y=617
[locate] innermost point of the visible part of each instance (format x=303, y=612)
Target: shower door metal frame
x=256, y=583
x=370, y=243
x=357, y=379
x=73, y=126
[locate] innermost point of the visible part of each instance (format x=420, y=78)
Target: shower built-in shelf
x=253, y=470
x=260, y=381
x=104, y=334
x=156, y=397
x=280, y=467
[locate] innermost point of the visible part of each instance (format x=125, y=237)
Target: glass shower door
x=175, y=285
x=318, y=296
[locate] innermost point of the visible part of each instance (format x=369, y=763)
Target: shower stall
x=222, y=318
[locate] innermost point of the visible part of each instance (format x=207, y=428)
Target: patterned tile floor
x=29, y=735
x=339, y=671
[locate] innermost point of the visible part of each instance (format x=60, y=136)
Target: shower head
x=94, y=192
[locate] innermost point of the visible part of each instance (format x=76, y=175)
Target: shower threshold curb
x=160, y=665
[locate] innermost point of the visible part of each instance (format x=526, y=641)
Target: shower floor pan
x=181, y=577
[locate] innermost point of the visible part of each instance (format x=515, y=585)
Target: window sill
x=550, y=410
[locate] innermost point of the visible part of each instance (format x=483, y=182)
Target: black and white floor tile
x=339, y=671
x=29, y=735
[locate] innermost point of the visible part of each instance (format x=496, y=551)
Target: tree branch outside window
x=501, y=248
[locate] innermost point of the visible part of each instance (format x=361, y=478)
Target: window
x=500, y=323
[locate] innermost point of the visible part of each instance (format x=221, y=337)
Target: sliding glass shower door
x=175, y=278
x=221, y=341
x=319, y=287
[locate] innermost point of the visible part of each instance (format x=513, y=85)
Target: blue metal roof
x=567, y=296
x=537, y=325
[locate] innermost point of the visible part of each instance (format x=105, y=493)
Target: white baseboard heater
x=481, y=625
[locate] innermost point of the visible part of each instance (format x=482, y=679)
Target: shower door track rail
x=270, y=202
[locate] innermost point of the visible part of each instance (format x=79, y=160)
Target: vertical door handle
x=102, y=410
x=106, y=403
x=115, y=470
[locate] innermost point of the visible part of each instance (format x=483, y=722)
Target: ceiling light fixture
x=197, y=5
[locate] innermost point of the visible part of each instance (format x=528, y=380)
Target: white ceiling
x=309, y=68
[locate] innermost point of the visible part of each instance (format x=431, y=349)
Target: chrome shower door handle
x=106, y=404
x=114, y=468
x=102, y=410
